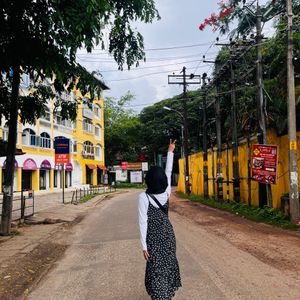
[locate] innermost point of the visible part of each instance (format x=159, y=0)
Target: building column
x=83, y=174
x=51, y=174
x=36, y=180
x=94, y=177
x=19, y=179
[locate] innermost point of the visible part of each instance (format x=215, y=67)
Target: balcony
x=88, y=155
x=36, y=141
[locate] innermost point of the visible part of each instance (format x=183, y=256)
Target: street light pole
x=184, y=153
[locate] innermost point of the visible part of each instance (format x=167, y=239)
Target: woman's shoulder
x=142, y=196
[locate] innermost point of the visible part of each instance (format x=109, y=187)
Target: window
x=88, y=150
x=98, y=132
x=63, y=122
x=74, y=146
x=45, y=140
x=29, y=138
x=98, y=152
x=47, y=114
x=5, y=133
x=97, y=111
x=88, y=125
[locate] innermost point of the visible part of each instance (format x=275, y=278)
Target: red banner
x=264, y=163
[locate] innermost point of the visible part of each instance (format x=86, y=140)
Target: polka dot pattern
x=162, y=276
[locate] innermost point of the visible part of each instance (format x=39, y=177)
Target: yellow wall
x=282, y=185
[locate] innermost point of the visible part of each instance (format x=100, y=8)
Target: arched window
x=98, y=132
x=45, y=140
x=98, y=152
x=29, y=138
x=88, y=148
x=97, y=111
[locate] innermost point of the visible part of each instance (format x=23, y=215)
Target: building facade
x=36, y=170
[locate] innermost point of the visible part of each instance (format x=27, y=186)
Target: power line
x=165, y=48
x=156, y=66
x=149, y=74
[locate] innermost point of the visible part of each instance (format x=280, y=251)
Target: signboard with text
x=264, y=163
x=62, y=151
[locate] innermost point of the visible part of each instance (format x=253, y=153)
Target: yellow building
x=37, y=170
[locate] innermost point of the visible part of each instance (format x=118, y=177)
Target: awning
x=29, y=164
x=45, y=165
x=4, y=164
x=102, y=167
x=69, y=167
x=91, y=167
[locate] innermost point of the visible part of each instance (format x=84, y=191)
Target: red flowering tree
x=220, y=21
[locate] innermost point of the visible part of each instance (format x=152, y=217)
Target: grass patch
x=268, y=215
x=126, y=185
x=87, y=198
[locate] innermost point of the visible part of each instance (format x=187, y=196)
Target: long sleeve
x=169, y=167
x=143, y=218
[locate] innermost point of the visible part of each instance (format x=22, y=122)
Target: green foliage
x=41, y=38
x=122, y=131
x=126, y=185
x=266, y=215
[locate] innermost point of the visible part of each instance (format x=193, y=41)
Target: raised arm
x=169, y=165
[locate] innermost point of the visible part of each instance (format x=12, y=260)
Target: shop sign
x=124, y=165
x=145, y=166
x=264, y=163
x=69, y=167
x=62, y=151
x=134, y=166
x=121, y=175
x=29, y=164
x=45, y=165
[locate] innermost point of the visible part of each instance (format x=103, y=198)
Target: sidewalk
x=51, y=215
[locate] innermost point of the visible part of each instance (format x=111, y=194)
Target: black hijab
x=156, y=180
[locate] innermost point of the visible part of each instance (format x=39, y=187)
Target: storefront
x=68, y=175
x=89, y=173
x=15, y=174
x=29, y=167
x=100, y=174
x=45, y=175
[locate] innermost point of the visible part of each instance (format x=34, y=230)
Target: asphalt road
x=104, y=261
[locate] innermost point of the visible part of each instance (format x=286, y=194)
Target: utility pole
x=219, y=146
x=265, y=191
x=204, y=147
x=235, y=148
x=185, y=81
x=185, y=134
x=293, y=195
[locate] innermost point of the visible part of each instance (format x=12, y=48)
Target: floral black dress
x=162, y=276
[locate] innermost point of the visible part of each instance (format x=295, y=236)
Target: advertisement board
x=62, y=151
x=121, y=175
x=264, y=163
x=136, y=177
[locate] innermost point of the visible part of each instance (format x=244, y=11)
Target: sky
x=186, y=44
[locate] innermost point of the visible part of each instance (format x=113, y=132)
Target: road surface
x=104, y=261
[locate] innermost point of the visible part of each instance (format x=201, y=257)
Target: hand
x=146, y=254
x=171, y=146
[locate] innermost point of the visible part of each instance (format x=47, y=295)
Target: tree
x=41, y=38
x=122, y=130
